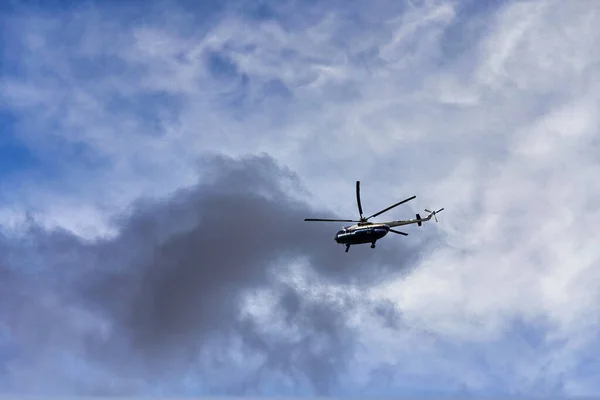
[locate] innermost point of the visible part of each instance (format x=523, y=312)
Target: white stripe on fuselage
x=365, y=225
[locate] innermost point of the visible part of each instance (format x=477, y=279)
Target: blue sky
x=15, y=155
x=486, y=108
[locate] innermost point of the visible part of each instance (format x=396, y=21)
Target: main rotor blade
x=329, y=220
x=390, y=207
x=398, y=232
x=358, y=199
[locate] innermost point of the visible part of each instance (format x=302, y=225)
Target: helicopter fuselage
x=358, y=234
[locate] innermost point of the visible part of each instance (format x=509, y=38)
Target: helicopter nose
x=337, y=237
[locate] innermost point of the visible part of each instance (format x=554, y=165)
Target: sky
x=157, y=161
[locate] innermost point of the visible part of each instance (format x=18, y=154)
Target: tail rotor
x=434, y=213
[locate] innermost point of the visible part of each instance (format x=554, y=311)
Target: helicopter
x=370, y=232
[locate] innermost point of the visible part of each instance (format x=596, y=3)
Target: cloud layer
x=220, y=271
x=152, y=216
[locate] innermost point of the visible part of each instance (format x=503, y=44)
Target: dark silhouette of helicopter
x=370, y=232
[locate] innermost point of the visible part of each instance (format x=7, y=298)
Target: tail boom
x=418, y=220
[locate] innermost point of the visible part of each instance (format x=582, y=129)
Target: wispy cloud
x=485, y=108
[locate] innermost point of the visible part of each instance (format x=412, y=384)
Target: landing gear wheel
x=347, y=247
x=373, y=245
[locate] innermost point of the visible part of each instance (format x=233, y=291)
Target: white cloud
x=527, y=250
x=503, y=135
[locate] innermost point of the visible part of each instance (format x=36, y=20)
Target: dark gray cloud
x=169, y=288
